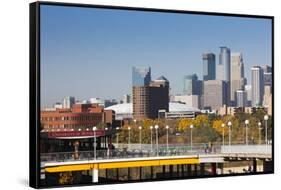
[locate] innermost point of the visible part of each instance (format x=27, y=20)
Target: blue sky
x=88, y=52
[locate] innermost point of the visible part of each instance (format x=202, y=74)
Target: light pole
x=191, y=127
x=156, y=129
x=259, y=124
x=229, y=134
x=106, y=144
x=95, y=142
x=129, y=139
x=167, y=140
x=151, y=138
x=222, y=126
x=117, y=137
x=246, y=128
x=265, y=120
x=140, y=137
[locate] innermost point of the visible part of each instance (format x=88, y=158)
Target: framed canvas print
x=122, y=94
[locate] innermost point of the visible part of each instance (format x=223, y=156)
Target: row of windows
x=67, y=126
x=72, y=118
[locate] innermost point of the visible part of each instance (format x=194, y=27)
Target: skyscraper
x=141, y=76
x=158, y=96
x=223, y=71
x=257, y=86
x=68, y=101
x=209, y=66
x=190, y=85
x=214, y=94
x=237, y=80
x=149, y=96
x=223, y=68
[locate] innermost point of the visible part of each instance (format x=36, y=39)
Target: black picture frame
x=34, y=82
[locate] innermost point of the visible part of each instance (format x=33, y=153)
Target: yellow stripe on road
x=122, y=164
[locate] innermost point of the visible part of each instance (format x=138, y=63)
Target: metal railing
x=124, y=152
x=163, y=150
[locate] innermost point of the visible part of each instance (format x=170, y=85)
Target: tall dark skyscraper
x=209, y=66
x=158, y=96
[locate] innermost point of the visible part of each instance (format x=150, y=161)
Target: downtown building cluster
x=222, y=90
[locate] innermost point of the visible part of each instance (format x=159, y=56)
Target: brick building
x=79, y=116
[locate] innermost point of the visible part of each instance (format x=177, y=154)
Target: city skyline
x=84, y=69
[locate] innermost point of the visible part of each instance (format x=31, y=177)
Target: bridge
x=174, y=161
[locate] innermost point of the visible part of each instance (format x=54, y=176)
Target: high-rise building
x=241, y=98
x=68, y=101
x=126, y=99
x=149, y=96
x=223, y=68
x=257, y=86
x=214, y=94
x=140, y=102
x=190, y=85
x=141, y=76
x=209, y=66
x=237, y=80
x=158, y=96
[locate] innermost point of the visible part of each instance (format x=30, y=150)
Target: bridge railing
x=118, y=153
x=163, y=150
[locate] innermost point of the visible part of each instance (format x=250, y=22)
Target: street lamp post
x=117, y=137
x=156, y=129
x=259, y=126
x=140, y=137
x=167, y=140
x=229, y=134
x=151, y=138
x=95, y=142
x=265, y=120
x=129, y=138
x=191, y=127
x=222, y=126
x=106, y=142
x=246, y=128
